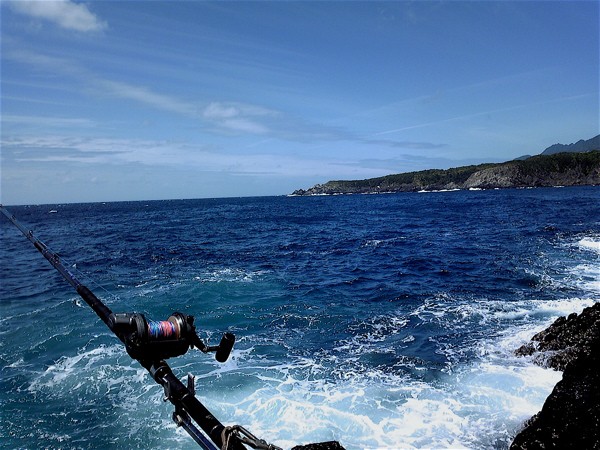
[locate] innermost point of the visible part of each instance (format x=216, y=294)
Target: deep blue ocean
x=381, y=321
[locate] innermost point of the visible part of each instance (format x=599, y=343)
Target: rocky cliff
x=570, y=417
x=561, y=169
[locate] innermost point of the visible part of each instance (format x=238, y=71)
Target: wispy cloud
x=55, y=122
x=487, y=112
x=161, y=154
x=64, y=13
x=238, y=117
x=147, y=96
x=409, y=163
x=91, y=150
x=411, y=145
x=220, y=116
x=228, y=118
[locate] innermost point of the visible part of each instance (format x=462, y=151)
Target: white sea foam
x=586, y=275
x=480, y=404
x=466, y=410
x=423, y=191
x=20, y=362
x=590, y=243
x=68, y=369
x=229, y=274
x=382, y=242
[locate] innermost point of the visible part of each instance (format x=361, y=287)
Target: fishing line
x=89, y=278
x=163, y=329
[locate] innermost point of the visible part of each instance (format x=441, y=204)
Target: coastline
x=560, y=169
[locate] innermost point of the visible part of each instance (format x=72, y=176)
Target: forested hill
x=559, y=169
x=579, y=146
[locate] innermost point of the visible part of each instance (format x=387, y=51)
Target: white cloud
x=218, y=110
x=238, y=117
x=231, y=118
x=244, y=126
x=144, y=95
x=54, y=122
x=64, y=13
x=17, y=151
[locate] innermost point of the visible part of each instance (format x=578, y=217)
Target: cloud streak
x=146, y=96
x=486, y=113
x=64, y=13
x=226, y=118
x=54, y=122
x=229, y=118
x=238, y=117
x=62, y=151
x=412, y=145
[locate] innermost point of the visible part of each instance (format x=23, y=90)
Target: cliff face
x=570, y=417
x=503, y=176
x=562, y=169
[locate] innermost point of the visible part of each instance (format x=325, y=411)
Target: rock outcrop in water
x=561, y=169
x=570, y=417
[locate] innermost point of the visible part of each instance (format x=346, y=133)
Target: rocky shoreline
x=570, y=417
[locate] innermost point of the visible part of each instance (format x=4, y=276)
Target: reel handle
x=225, y=346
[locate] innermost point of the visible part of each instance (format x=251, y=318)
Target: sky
x=141, y=100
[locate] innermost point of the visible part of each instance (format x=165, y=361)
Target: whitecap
x=381, y=242
x=69, y=368
x=590, y=243
x=229, y=274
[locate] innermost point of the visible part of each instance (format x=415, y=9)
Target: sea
x=381, y=321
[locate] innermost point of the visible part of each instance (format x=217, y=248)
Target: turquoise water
x=381, y=321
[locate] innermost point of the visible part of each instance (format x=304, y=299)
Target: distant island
x=575, y=164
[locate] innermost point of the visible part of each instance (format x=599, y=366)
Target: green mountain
x=579, y=146
x=554, y=169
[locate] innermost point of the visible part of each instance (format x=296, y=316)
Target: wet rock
x=330, y=445
x=570, y=417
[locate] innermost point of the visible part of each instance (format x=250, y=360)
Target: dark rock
x=570, y=417
x=565, y=340
x=330, y=445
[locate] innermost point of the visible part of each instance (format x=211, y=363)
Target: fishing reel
x=147, y=340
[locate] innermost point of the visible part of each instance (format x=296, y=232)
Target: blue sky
x=139, y=100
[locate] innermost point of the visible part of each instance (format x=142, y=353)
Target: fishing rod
x=150, y=343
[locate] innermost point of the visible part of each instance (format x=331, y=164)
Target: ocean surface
x=381, y=321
